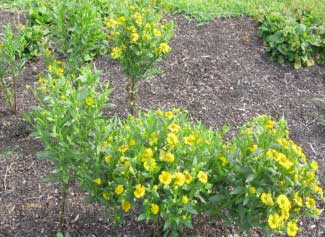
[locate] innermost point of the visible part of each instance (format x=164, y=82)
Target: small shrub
x=157, y=165
x=139, y=38
x=297, y=38
x=77, y=31
x=68, y=120
x=269, y=183
x=11, y=65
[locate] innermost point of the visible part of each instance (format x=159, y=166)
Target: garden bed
x=220, y=72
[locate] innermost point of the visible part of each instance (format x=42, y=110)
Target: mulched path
x=220, y=72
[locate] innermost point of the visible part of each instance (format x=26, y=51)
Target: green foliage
x=76, y=31
x=298, y=39
x=11, y=65
x=68, y=118
x=156, y=163
x=264, y=162
x=35, y=41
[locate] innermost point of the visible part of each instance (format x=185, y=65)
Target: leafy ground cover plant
x=138, y=39
x=270, y=183
x=68, y=121
x=11, y=65
x=157, y=164
x=297, y=38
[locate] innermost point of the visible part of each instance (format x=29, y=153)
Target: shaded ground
x=219, y=72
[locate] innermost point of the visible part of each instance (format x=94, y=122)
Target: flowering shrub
x=156, y=164
x=138, y=39
x=68, y=120
x=162, y=166
x=270, y=183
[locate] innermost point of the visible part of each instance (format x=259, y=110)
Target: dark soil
x=219, y=72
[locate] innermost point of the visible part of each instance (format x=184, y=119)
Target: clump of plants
x=269, y=182
x=68, y=120
x=156, y=163
x=296, y=37
x=77, y=31
x=12, y=62
x=168, y=169
x=139, y=37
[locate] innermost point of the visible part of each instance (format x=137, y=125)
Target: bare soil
x=220, y=72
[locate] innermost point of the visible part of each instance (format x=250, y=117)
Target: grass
x=206, y=10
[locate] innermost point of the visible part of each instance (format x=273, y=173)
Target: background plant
x=11, y=65
x=138, y=39
x=270, y=183
x=156, y=164
x=297, y=38
x=68, y=120
x=77, y=31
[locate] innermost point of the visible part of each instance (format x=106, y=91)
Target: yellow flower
x=297, y=199
x=98, y=181
x=106, y=195
x=163, y=48
x=165, y=178
x=149, y=164
x=253, y=148
x=185, y=199
x=157, y=32
x=223, y=160
x=148, y=153
x=179, y=179
x=121, y=19
x=111, y=23
x=59, y=71
x=169, y=114
x=203, y=177
x=139, y=191
x=174, y=127
x=153, y=138
x=285, y=214
x=89, y=101
x=283, y=142
x=166, y=156
x=266, y=199
x=116, y=52
x=269, y=124
x=274, y=221
x=138, y=18
x=133, y=7
x=283, y=160
x=134, y=37
x=119, y=189
x=318, y=190
x=314, y=165
x=172, y=139
x=123, y=148
x=188, y=177
x=126, y=206
x=283, y=202
x=189, y=140
x=154, y=208
x=41, y=80
x=310, y=203
x=292, y=228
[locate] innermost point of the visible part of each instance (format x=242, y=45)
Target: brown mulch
x=219, y=72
